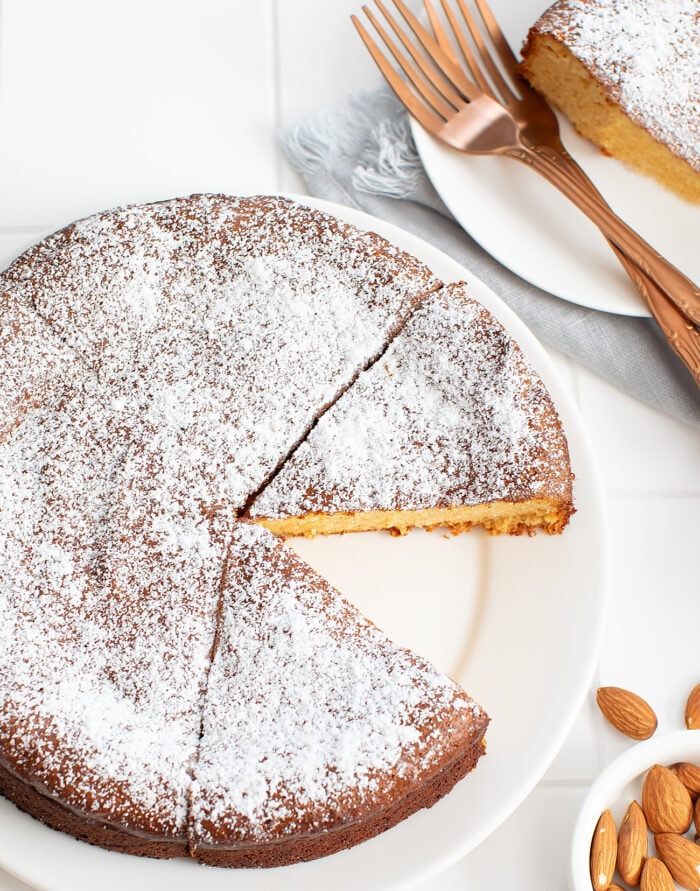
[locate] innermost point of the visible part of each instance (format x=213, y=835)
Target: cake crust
x=282, y=853
x=56, y=815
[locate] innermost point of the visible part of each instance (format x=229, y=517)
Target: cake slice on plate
x=108, y=596
x=450, y=427
x=318, y=731
x=627, y=74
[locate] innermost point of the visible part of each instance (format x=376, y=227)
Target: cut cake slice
x=109, y=593
x=318, y=731
x=451, y=427
x=627, y=75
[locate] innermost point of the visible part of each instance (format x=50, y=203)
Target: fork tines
x=434, y=85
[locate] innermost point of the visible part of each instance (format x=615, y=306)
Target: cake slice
x=627, y=74
x=318, y=732
x=108, y=597
x=451, y=427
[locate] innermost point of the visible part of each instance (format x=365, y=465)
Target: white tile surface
x=317, y=37
x=120, y=101
x=651, y=642
x=319, y=49
x=639, y=450
x=530, y=850
x=105, y=103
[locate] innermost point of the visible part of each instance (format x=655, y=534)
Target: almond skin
x=632, y=844
x=682, y=857
x=656, y=877
x=689, y=775
x=603, y=852
x=666, y=802
x=692, y=709
x=627, y=712
x=696, y=818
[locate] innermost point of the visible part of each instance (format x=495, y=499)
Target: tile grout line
x=572, y=785
x=661, y=494
x=276, y=87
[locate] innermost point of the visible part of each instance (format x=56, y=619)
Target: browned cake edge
x=56, y=815
x=310, y=847
x=83, y=827
x=568, y=84
x=497, y=518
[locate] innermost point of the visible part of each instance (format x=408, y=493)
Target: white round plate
x=517, y=620
x=535, y=232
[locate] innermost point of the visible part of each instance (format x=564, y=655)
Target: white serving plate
x=535, y=232
x=517, y=620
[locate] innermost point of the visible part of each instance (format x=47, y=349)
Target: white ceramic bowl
x=619, y=783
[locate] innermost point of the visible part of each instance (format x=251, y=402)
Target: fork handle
x=563, y=172
x=682, y=335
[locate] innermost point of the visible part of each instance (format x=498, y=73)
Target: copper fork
x=478, y=112
x=542, y=130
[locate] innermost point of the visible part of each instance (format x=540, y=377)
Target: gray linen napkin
x=362, y=155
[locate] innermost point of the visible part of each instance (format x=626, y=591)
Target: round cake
x=174, y=681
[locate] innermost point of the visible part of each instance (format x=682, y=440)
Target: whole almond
x=696, y=818
x=632, y=844
x=666, y=802
x=656, y=877
x=627, y=712
x=613, y=886
x=689, y=775
x=603, y=852
x=682, y=857
x=692, y=709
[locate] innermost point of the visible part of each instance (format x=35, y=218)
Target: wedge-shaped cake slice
x=318, y=731
x=108, y=597
x=451, y=427
x=626, y=73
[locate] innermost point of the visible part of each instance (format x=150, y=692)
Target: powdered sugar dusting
x=330, y=716
x=108, y=620
x=34, y=364
x=452, y=414
x=231, y=321
x=648, y=56
x=158, y=363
